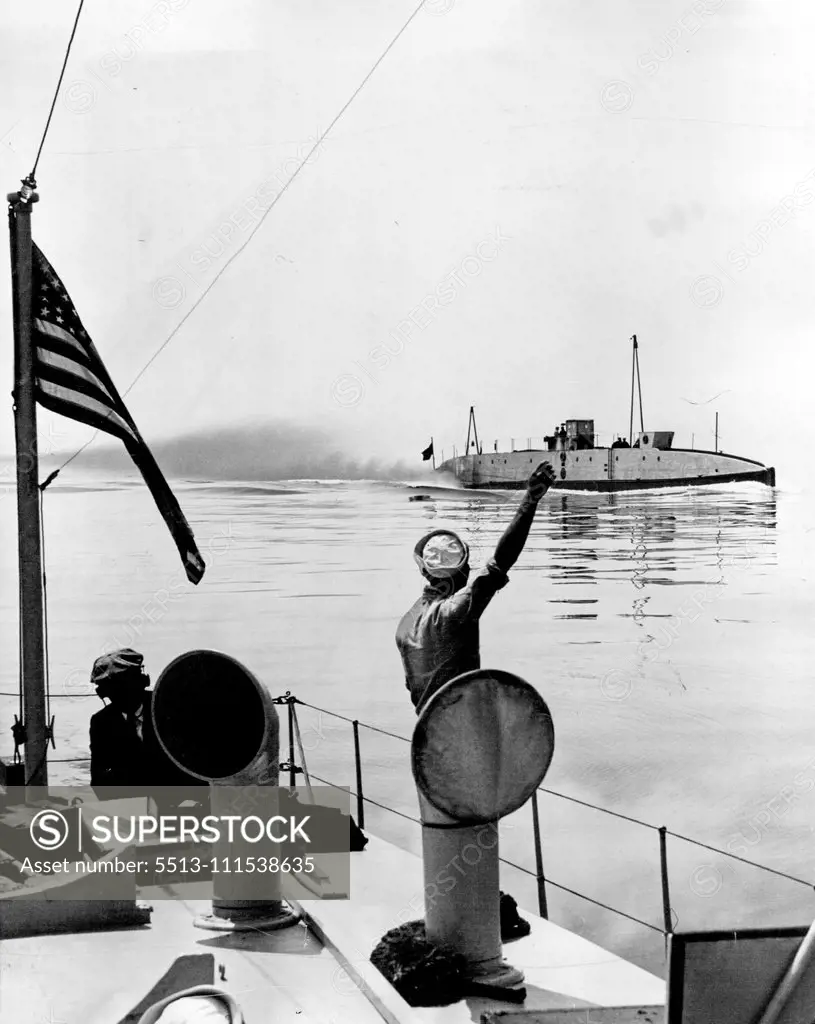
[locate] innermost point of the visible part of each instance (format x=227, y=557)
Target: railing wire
x=591, y=806
x=537, y=875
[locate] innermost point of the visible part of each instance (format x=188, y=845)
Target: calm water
x=670, y=634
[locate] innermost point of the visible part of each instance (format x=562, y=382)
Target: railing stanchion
x=292, y=768
x=668, y=928
x=358, y=765
x=666, y=892
x=543, y=908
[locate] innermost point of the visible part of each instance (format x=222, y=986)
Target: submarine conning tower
x=579, y=435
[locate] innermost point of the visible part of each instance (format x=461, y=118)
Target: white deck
x=563, y=970
x=98, y=977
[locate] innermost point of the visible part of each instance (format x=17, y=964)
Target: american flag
x=71, y=379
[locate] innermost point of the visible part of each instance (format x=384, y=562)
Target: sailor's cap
x=108, y=666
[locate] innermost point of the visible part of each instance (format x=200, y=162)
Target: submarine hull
x=608, y=469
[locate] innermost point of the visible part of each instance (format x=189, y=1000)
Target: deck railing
x=537, y=442
x=291, y=768
x=538, y=874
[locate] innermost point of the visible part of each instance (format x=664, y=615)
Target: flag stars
x=96, y=405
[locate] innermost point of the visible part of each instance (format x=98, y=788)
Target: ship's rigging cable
x=320, y=140
x=56, y=92
x=635, y=367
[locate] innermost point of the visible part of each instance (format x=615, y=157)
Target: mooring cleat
x=496, y=974
x=264, y=920
x=513, y=926
x=514, y=994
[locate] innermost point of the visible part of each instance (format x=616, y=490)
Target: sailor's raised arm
x=513, y=540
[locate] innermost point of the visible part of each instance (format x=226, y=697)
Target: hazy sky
x=532, y=182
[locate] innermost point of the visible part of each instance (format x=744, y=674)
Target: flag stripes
x=95, y=414
x=70, y=379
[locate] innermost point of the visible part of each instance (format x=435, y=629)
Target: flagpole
x=433, y=452
x=32, y=618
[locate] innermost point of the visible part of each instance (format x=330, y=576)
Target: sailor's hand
x=540, y=481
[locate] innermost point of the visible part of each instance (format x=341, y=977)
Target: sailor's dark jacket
x=120, y=758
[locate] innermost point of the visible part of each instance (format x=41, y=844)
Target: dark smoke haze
x=269, y=451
